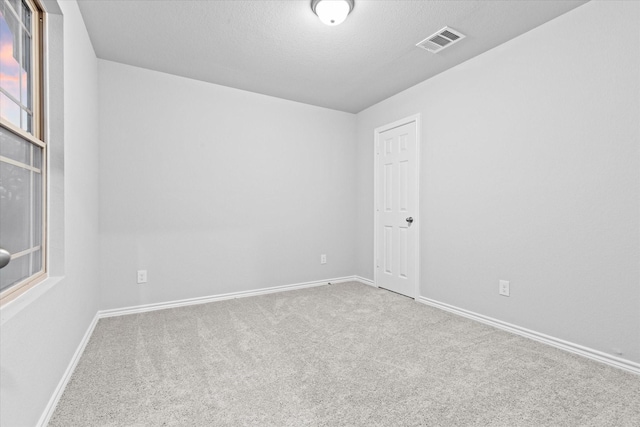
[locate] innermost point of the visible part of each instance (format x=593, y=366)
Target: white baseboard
x=580, y=350
x=57, y=394
x=220, y=297
x=364, y=281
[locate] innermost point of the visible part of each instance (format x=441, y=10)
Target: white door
x=396, y=207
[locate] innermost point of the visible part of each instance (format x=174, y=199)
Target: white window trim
x=53, y=132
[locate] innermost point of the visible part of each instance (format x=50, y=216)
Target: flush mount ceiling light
x=332, y=12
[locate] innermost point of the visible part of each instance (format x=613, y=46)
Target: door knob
x=410, y=220
x=5, y=257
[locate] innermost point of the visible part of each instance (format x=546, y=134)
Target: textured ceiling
x=281, y=48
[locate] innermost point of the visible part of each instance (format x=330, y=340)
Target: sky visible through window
x=14, y=79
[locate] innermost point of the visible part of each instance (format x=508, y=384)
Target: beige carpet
x=340, y=355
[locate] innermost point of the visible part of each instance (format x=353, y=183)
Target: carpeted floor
x=339, y=355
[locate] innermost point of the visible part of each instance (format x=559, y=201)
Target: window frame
x=37, y=138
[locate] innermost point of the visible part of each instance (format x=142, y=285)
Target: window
x=22, y=147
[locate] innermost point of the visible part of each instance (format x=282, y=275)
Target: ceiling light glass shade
x=332, y=12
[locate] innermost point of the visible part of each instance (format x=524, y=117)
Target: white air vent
x=443, y=38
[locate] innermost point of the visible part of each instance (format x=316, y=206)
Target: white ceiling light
x=332, y=12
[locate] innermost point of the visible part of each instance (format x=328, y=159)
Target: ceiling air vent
x=438, y=41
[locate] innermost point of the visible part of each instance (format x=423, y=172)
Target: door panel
x=388, y=250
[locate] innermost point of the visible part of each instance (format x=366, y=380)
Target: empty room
x=319, y=213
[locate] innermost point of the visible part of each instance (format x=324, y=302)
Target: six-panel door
x=396, y=203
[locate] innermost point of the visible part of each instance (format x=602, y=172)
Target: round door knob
x=410, y=220
x=5, y=258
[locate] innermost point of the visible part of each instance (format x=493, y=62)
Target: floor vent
x=440, y=40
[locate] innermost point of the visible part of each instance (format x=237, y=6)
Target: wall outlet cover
x=142, y=276
x=503, y=288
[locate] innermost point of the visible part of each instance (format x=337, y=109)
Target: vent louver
x=440, y=40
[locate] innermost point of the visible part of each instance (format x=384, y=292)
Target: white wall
x=216, y=190
x=531, y=173
x=38, y=341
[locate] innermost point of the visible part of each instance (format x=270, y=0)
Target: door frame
x=376, y=152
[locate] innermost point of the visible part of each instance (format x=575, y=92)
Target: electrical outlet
x=503, y=288
x=323, y=259
x=142, y=276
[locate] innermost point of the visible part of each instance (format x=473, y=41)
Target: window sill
x=13, y=307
